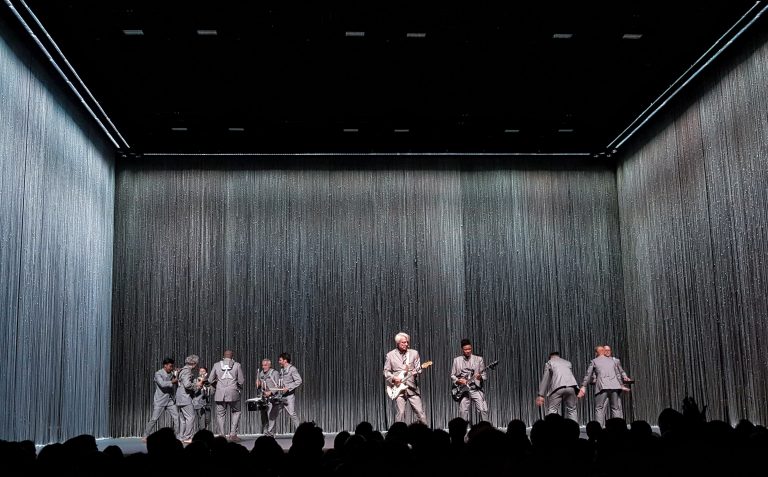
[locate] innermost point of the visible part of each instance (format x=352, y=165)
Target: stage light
x=562, y=36
x=354, y=33
x=133, y=32
x=415, y=35
x=632, y=36
x=207, y=32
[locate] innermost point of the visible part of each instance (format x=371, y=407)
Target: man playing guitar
x=402, y=366
x=468, y=374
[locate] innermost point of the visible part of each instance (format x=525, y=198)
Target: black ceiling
x=379, y=76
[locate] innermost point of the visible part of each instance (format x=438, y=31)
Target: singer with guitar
x=403, y=366
x=468, y=373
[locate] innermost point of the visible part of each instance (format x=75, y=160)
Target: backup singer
x=227, y=377
x=558, y=386
x=608, y=386
x=185, y=393
x=403, y=365
x=164, y=398
x=288, y=381
x=469, y=370
x=201, y=402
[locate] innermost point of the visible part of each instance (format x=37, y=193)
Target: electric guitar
x=459, y=390
x=395, y=390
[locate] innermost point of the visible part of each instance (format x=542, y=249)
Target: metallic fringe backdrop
x=328, y=260
x=56, y=227
x=693, y=200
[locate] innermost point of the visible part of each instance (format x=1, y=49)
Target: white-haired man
x=185, y=393
x=403, y=366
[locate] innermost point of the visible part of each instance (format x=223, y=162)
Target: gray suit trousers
x=267, y=426
x=289, y=404
x=565, y=395
x=203, y=417
x=157, y=411
x=234, y=418
x=612, y=395
x=477, y=397
x=187, y=422
x=415, y=401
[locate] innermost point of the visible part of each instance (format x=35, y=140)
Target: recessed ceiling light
x=354, y=33
x=178, y=129
x=133, y=32
x=565, y=130
x=415, y=35
x=350, y=130
x=562, y=36
x=402, y=130
x=236, y=129
x=511, y=130
x=207, y=32
x=632, y=36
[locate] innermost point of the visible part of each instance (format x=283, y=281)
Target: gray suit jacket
x=290, y=378
x=185, y=391
x=227, y=387
x=165, y=391
x=622, y=374
x=468, y=368
x=202, y=397
x=557, y=374
x=394, y=362
x=269, y=380
x=607, y=376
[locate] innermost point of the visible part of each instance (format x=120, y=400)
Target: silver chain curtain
x=328, y=263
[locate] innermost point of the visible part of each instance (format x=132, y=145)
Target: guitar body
x=458, y=391
x=393, y=391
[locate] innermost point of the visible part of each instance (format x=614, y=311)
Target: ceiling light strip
x=72, y=69
x=60, y=71
x=663, y=98
x=283, y=154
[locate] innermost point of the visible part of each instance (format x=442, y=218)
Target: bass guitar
x=394, y=390
x=458, y=391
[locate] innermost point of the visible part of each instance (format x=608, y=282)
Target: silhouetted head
x=340, y=439
x=516, y=428
x=457, y=429
x=594, y=430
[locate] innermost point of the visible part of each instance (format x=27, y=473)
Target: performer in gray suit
x=608, y=386
x=201, y=402
x=165, y=393
x=185, y=392
x=405, y=363
x=470, y=369
x=268, y=381
x=288, y=380
x=227, y=377
x=558, y=385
